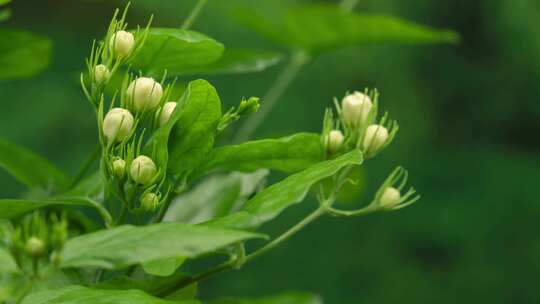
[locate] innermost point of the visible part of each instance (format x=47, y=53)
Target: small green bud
x=150, y=201
x=143, y=170
x=119, y=168
x=374, y=138
x=101, y=74
x=144, y=94
x=166, y=112
x=249, y=106
x=35, y=246
x=334, y=141
x=117, y=124
x=121, y=43
x=390, y=198
x=355, y=108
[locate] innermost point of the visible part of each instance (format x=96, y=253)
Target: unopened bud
x=35, y=246
x=334, y=141
x=143, y=170
x=119, y=168
x=390, y=198
x=121, y=43
x=166, y=112
x=248, y=106
x=117, y=124
x=355, y=108
x=101, y=74
x=144, y=93
x=150, y=201
x=374, y=139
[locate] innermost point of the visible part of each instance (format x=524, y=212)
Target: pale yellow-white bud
x=166, y=112
x=144, y=93
x=117, y=124
x=150, y=201
x=143, y=170
x=334, y=141
x=374, y=138
x=101, y=74
x=35, y=246
x=119, y=168
x=121, y=43
x=355, y=108
x=390, y=198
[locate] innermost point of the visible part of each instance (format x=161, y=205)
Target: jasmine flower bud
x=35, y=246
x=166, y=112
x=355, y=108
x=150, y=201
x=390, y=198
x=119, y=168
x=117, y=124
x=334, y=141
x=101, y=74
x=121, y=43
x=143, y=170
x=374, y=138
x=144, y=93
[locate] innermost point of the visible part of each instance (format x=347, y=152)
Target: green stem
x=194, y=14
x=86, y=166
x=297, y=60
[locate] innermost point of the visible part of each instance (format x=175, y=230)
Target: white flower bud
x=117, y=124
x=143, y=170
x=166, y=112
x=390, y=198
x=101, y=74
x=35, y=246
x=374, y=139
x=334, y=141
x=355, y=108
x=144, y=93
x=119, y=168
x=121, y=43
x=150, y=201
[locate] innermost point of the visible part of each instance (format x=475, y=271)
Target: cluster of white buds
x=356, y=108
x=117, y=124
x=144, y=94
x=389, y=196
x=143, y=170
x=121, y=43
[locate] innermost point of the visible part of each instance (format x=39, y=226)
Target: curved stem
x=194, y=14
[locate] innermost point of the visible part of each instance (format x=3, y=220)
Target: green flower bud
x=166, y=112
x=144, y=93
x=355, y=108
x=143, y=170
x=249, y=106
x=119, y=168
x=334, y=141
x=117, y=124
x=121, y=43
x=101, y=74
x=390, y=198
x=374, y=138
x=150, y=201
x=35, y=246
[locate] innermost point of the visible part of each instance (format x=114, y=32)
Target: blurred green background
x=469, y=116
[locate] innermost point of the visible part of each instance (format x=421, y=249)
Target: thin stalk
x=297, y=61
x=85, y=167
x=194, y=14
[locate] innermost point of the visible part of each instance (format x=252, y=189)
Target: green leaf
x=80, y=294
x=5, y=14
x=29, y=168
x=7, y=263
x=239, y=61
x=10, y=208
x=176, y=51
x=270, y=202
x=288, y=154
x=2, y=2
x=217, y=196
x=127, y=245
x=192, y=137
x=153, y=286
x=22, y=54
x=163, y=267
x=325, y=27
x=284, y=298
